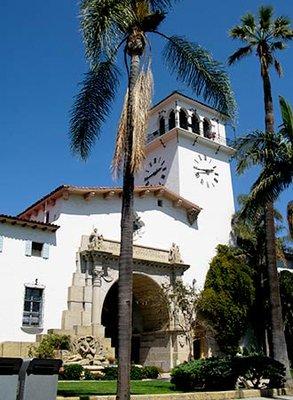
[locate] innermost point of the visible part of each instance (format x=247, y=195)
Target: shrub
x=72, y=372
x=88, y=376
x=151, y=372
x=110, y=373
x=222, y=373
x=136, y=373
x=48, y=345
x=254, y=369
x=187, y=376
x=218, y=374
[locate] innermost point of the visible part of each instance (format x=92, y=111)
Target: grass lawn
x=86, y=388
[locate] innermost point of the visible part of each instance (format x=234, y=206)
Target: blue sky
x=42, y=61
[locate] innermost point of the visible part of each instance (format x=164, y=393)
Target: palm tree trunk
x=125, y=283
x=279, y=347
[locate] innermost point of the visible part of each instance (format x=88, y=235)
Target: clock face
x=155, y=172
x=205, y=171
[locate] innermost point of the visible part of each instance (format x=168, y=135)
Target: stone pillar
x=189, y=121
x=88, y=279
x=97, y=274
x=177, y=116
x=201, y=119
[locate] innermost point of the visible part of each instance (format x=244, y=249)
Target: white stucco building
x=54, y=276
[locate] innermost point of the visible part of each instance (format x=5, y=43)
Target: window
x=37, y=249
x=183, y=119
x=207, y=128
x=172, y=120
x=33, y=306
x=195, y=124
x=162, y=126
x=160, y=203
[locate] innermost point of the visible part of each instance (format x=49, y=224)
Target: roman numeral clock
x=155, y=172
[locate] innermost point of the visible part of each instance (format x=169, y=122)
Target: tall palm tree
x=264, y=37
x=248, y=234
x=108, y=26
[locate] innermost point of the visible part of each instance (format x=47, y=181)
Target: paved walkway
x=276, y=397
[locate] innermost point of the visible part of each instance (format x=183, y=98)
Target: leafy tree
x=107, y=26
x=227, y=297
x=183, y=305
x=264, y=37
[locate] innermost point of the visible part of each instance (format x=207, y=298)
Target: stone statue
x=87, y=350
x=174, y=255
x=95, y=240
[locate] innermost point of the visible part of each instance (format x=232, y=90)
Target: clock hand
x=153, y=174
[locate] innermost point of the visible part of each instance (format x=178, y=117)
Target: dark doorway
x=150, y=313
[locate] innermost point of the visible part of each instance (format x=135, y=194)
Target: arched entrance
x=150, y=314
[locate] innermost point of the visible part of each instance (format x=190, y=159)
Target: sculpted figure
x=95, y=240
x=174, y=254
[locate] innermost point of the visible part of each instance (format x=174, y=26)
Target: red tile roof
x=8, y=219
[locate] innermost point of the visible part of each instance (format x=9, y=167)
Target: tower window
x=183, y=119
x=33, y=307
x=162, y=126
x=172, y=120
x=207, y=131
x=160, y=203
x=195, y=124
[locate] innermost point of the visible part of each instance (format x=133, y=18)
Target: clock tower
x=188, y=153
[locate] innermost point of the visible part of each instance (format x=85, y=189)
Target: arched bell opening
x=171, y=120
x=195, y=125
x=183, y=120
x=150, y=313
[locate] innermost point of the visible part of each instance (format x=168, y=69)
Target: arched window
x=207, y=128
x=183, y=119
x=195, y=124
x=162, y=128
x=172, y=120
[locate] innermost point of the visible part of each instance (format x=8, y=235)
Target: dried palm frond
x=142, y=97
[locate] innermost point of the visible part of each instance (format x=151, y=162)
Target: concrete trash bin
x=39, y=379
x=9, y=370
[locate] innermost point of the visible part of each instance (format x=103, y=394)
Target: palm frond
x=278, y=46
x=287, y=117
x=195, y=67
x=92, y=106
x=249, y=20
x=239, y=54
x=267, y=187
x=282, y=28
x=278, y=67
x=265, y=17
x=238, y=32
x=103, y=24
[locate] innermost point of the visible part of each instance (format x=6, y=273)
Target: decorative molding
x=89, y=196
x=192, y=215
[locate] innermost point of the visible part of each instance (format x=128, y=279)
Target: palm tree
x=108, y=26
x=248, y=236
x=264, y=37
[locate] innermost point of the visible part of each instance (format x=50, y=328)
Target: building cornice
x=88, y=193
x=194, y=138
x=23, y=222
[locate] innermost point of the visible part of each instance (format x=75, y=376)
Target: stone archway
x=150, y=315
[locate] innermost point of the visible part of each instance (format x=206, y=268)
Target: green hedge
x=71, y=372
x=222, y=373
